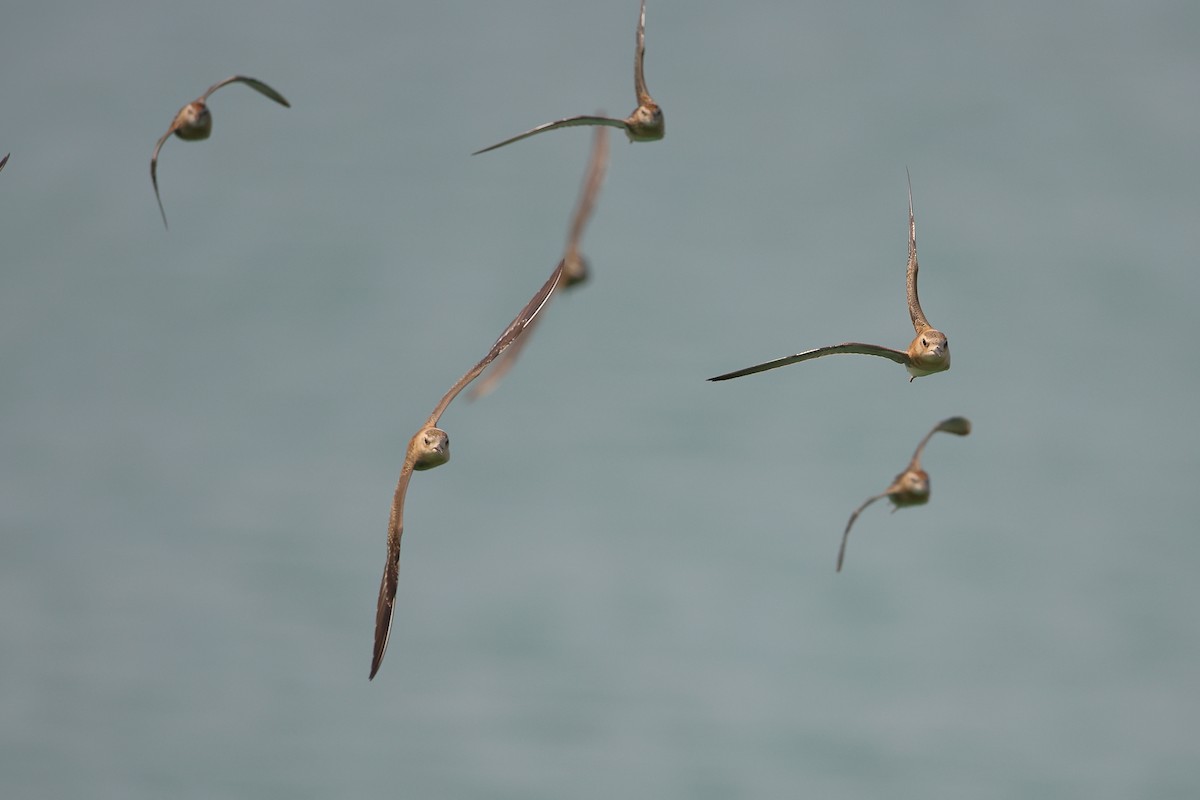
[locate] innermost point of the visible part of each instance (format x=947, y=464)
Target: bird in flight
x=429, y=448
x=929, y=351
x=911, y=487
x=194, y=122
x=573, y=265
x=645, y=124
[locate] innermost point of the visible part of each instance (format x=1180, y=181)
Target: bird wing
x=515, y=328
x=592, y=182
x=154, y=170
x=846, y=533
x=639, y=79
x=391, y=569
x=920, y=323
x=960, y=426
x=858, y=348
x=569, y=122
x=253, y=83
x=502, y=365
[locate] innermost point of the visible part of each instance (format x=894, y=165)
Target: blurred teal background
x=622, y=585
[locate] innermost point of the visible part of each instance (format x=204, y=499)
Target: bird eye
x=924, y=343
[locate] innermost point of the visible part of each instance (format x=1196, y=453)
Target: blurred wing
x=919, y=321
x=591, y=188
x=849, y=347
x=639, y=79
x=569, y=122
x=960, y=426
x=4, y=160
x=391, y=570
x=154, y=172
x=515, y=328
x=583, y=211
x=254, y=84
x=846, y=534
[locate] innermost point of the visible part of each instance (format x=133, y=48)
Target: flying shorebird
x=573, y=265
x=429, y=448
x=645, y=124
x=911, y=487
x=194, y=122
x=929, y=351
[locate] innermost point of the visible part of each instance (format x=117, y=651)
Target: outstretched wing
x=253, y=83
x=503, y=365
x=959, y=426
x=920, y=323
x=4, y=160
x=846, y=533
x=515, y=328
x=391, y=569
x=858, y=348
x=569, y=122
x=592, y=181
x=639, y=79
x=154, y=171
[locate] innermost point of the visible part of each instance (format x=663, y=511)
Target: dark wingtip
x=377, y=657
x=383, y=612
